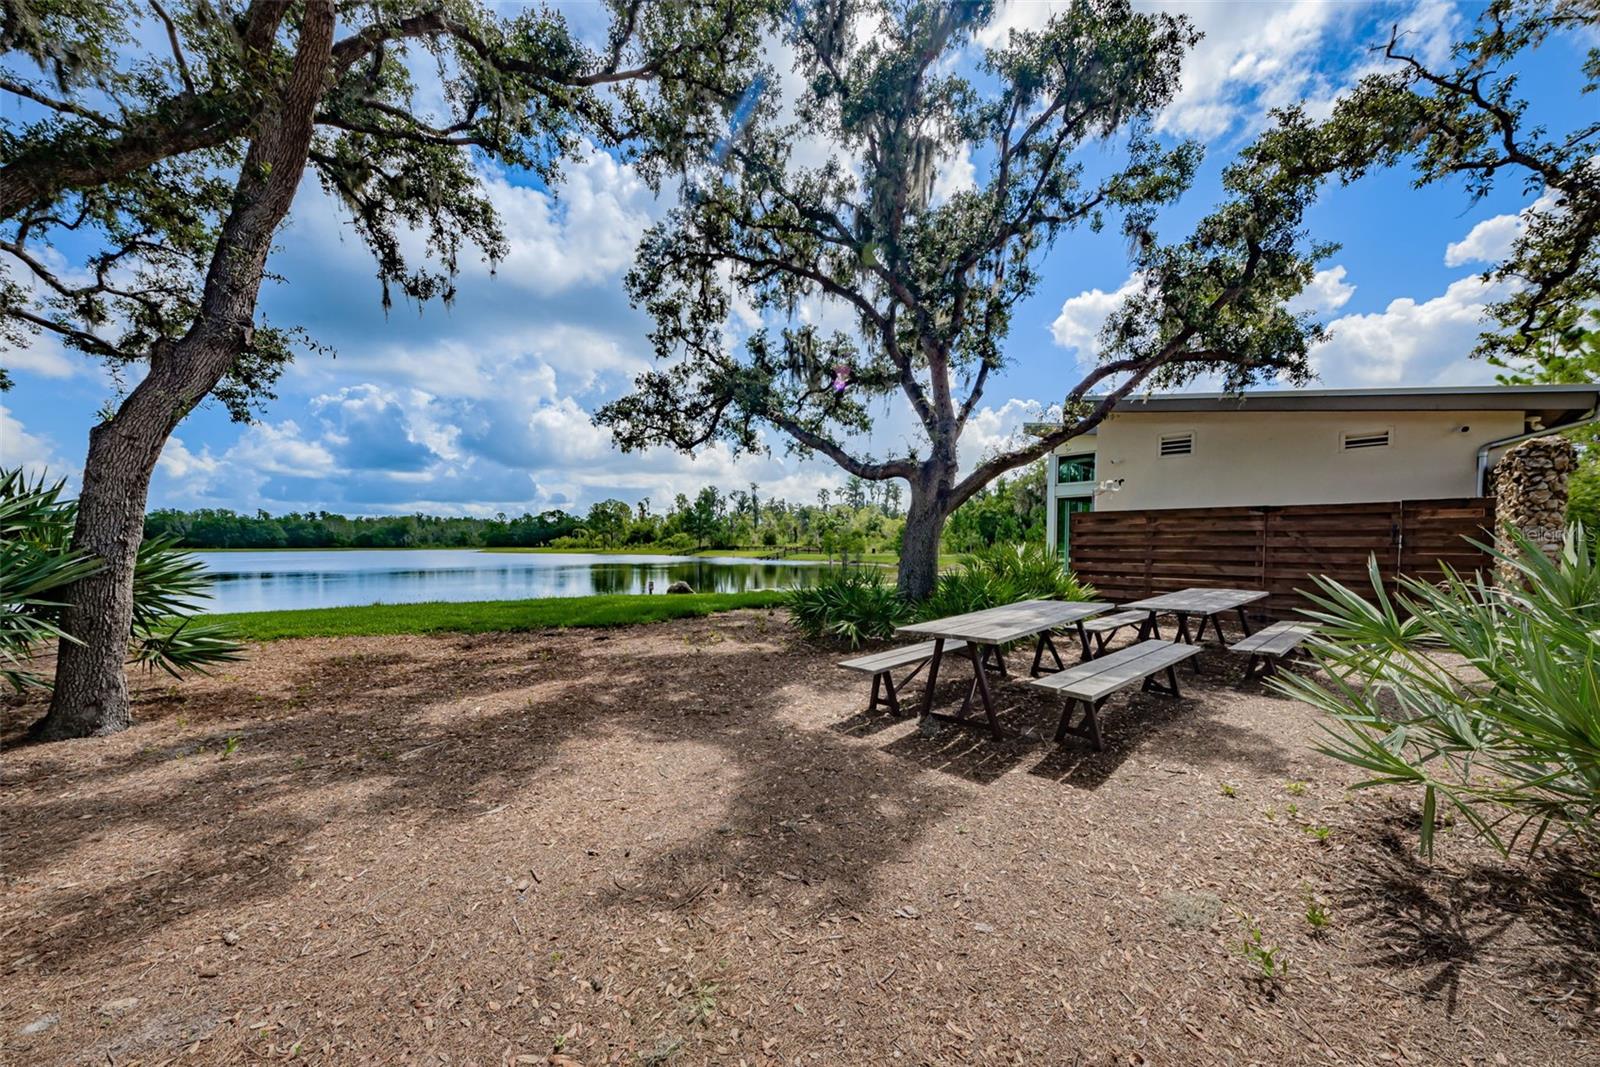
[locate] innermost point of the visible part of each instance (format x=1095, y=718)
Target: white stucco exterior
x=1242, y=458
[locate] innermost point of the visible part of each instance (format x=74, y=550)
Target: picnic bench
x=882, y=665
x=1091, y=683
x=984, y=633
x=1102, y=628
x=1266, y=647
x=1207, y=604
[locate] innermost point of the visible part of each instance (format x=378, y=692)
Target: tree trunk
x=91, y=690
x=925, y=519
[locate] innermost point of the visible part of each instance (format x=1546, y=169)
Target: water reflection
x=278, y=581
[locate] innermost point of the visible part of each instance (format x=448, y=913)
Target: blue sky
x=484, y=406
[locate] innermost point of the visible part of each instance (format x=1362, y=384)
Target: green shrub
x=36, y=565
x=1003, y=574
x=851, y=606
x=1479, y=695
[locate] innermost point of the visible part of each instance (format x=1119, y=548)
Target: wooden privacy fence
x=1128, y=555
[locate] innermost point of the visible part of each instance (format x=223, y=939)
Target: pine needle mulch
x=684, y=844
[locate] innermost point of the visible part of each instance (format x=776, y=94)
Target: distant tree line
x=860, y=517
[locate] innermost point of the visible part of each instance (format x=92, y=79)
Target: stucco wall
x=1245, y=458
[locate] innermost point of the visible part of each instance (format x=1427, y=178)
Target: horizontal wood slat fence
x=1127, y=555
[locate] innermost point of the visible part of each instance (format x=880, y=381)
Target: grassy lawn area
x=487, y=616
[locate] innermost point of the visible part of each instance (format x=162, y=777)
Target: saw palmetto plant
x=1483, y=696
x=36, y=566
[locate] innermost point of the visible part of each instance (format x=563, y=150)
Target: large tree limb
x=860, y=468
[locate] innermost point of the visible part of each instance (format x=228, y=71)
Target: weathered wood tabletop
x=1206, y=603
x=985, y=630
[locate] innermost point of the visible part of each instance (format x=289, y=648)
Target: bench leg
x=1260, y=668
x=1170, y=689
x=877, y=686
x=933, y=676
x=1088, y=729
x=981, y=684
x=997, y=658
x=1045, y=645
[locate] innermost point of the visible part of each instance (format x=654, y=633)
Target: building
x=1304, y=446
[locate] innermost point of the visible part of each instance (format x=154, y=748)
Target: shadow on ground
x=1438, y=922
x=399, y=726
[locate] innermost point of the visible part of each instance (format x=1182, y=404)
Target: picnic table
x=1208, y=604
x=985, y=631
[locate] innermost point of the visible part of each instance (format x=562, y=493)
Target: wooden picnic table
x=985, y=631
x=1206, y=603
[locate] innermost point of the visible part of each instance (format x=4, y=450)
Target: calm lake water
x=280, y=581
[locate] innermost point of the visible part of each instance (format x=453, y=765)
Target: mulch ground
x=684, y=844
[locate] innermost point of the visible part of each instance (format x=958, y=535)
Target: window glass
x=1075, y=468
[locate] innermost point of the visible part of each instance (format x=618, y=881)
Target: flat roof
x=1425, y=398
x=1556, y=403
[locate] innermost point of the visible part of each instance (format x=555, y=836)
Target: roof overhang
x=1555, y=404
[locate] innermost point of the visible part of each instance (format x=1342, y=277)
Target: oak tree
x=170, y=138
x=931, y=284
x=1466, y=119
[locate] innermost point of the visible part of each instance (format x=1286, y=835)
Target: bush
x=851, y=606
x=1511, y=741
x=1004, y=574
x=862, y=604
x=36, y=565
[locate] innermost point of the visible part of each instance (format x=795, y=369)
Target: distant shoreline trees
x=860, y=518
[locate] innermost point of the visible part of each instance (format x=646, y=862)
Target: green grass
x=485, y=616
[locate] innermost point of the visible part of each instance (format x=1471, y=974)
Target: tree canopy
x=134, y=155
x=929, y=284
x=1465, y=119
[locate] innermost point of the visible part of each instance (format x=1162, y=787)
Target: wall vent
x=1177, y=444
x=1365, y=439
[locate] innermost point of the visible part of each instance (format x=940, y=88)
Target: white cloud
x=1490, y=241
x=993, y=430
x=1410, y=342
x=1256, y=56
x=282, y=448
x=1327, y=292
x=34, y=453
x=584, y=236
x=178, y=462
x=43, y=355
x=1082, y=316
x=956, y=175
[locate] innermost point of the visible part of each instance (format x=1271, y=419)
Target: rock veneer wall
x=1530, y=489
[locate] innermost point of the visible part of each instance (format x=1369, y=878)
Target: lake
x=281, y=581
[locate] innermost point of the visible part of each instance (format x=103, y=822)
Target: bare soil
x=683, y=843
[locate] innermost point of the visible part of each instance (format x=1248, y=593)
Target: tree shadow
x=406, y=732
x=1530, y=923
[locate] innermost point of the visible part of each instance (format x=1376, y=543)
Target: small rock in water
x=40, y=1025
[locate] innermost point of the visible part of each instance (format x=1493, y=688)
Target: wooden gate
x=1127, y=555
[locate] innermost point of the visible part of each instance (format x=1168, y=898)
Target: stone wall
x=1530, y=490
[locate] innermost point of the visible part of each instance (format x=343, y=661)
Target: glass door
x=1066, y=507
